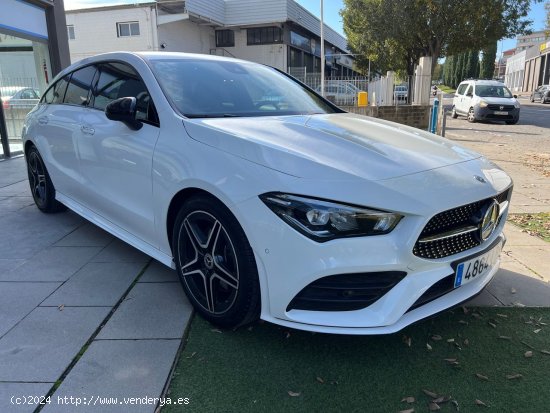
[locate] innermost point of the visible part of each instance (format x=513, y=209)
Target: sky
x=332, y=17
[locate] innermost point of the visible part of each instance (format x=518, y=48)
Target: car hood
x=331, y=146
x=499, y=101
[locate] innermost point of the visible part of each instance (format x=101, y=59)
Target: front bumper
x=288, y=262
x=490, y=114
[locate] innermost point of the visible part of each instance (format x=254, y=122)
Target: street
x=523, y=150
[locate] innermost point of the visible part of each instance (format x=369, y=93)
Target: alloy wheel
x=37, y=178
x=208, y=262
x=471, y=115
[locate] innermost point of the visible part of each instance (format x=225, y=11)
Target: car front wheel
x=471, y=115
x=215, y=263
x=42, y=189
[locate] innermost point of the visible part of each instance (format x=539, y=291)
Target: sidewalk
x=80, y=309
x=88, y=313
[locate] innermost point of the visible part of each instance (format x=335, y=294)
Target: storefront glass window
x=25, y=73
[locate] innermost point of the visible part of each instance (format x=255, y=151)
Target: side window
x=118, y=80
x=59, y=89
x=461, y=89
x=48, y=96
x=78, y=91
x=470, y=90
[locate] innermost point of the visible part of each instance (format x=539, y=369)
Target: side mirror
x=515, y=96
x=124, y=110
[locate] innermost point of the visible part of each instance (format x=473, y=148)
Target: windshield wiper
x=212, y=115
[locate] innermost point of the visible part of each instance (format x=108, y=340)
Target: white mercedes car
x=269, y=201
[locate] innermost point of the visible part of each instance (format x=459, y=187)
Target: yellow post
x=362, y=99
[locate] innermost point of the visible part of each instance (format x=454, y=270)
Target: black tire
x=216, y=265
x=471, y=116
x=512, y=122
x=454, y=115
x=42, y=189
x=532, y=99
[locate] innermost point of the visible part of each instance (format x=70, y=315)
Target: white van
x=485, y=100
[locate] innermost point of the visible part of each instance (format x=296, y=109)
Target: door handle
x=43, y=120
x=87, y=130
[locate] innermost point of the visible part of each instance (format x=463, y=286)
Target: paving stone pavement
x=80, y=308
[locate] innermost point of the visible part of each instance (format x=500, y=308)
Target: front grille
x=498, y=107
x=345, y=292
x=501, y=117
x=454, y=230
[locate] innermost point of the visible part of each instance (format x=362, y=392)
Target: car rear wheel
x=215, y=263
x=454, y=115
x=471, y=115
x=42, y=189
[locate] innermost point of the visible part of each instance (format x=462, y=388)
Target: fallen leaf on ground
x=428, y=347
x=482, y=377
x=442, y=399
x=514, y=376
x=505, y=337
x=545, y=352
x=463, y=322
x=215, y=330
x=287, y=335
x=450, y=340
x=320, y=380
x=528, y=354
x=407, y=411
x=430, y=393
x=502, y=315
x=466, y=342
x=408, y=399
x=537, y=331
x=492, y=324
x=433, y=407
x=293, y=394
x=465, y=310
x=436, y=337
x=192, y=355
x=455, y=404
x=480, y=403
x=407, y=340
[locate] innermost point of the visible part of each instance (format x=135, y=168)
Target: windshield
x=486, y=91
x=214, y=88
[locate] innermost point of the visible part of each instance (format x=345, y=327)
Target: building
x=526, y=41
x=500, y=64
x=537, y=67
x=515, y=69
x=279, y=33
x=33, y=49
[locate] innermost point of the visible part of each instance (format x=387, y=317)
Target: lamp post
x=322, y=53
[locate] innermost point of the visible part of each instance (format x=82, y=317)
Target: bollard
x=433, y=120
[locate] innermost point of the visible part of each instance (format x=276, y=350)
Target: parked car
x=288, y=209
x=541, y=93
x=344, y=93
x=401, y=93
x=19, y=97
x=485, y=100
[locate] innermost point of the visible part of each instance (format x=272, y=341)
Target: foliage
x=394, y=34
x=487, y=67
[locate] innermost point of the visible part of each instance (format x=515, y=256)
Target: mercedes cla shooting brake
x=268, y=200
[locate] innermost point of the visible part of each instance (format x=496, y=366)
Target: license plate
x=500, y=113
x=477, y=267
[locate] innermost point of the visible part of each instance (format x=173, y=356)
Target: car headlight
x=323, y=220
x=516, y=104
x=482, y=104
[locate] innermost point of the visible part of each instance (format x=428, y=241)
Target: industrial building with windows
x=278, y=33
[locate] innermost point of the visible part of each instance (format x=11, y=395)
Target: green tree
x=487, y=66
x=458, y=70
x=394, y=34
x=471, y=65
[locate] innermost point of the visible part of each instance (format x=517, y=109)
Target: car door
x=116, y=161
x=58, y=128
x=467, y=99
